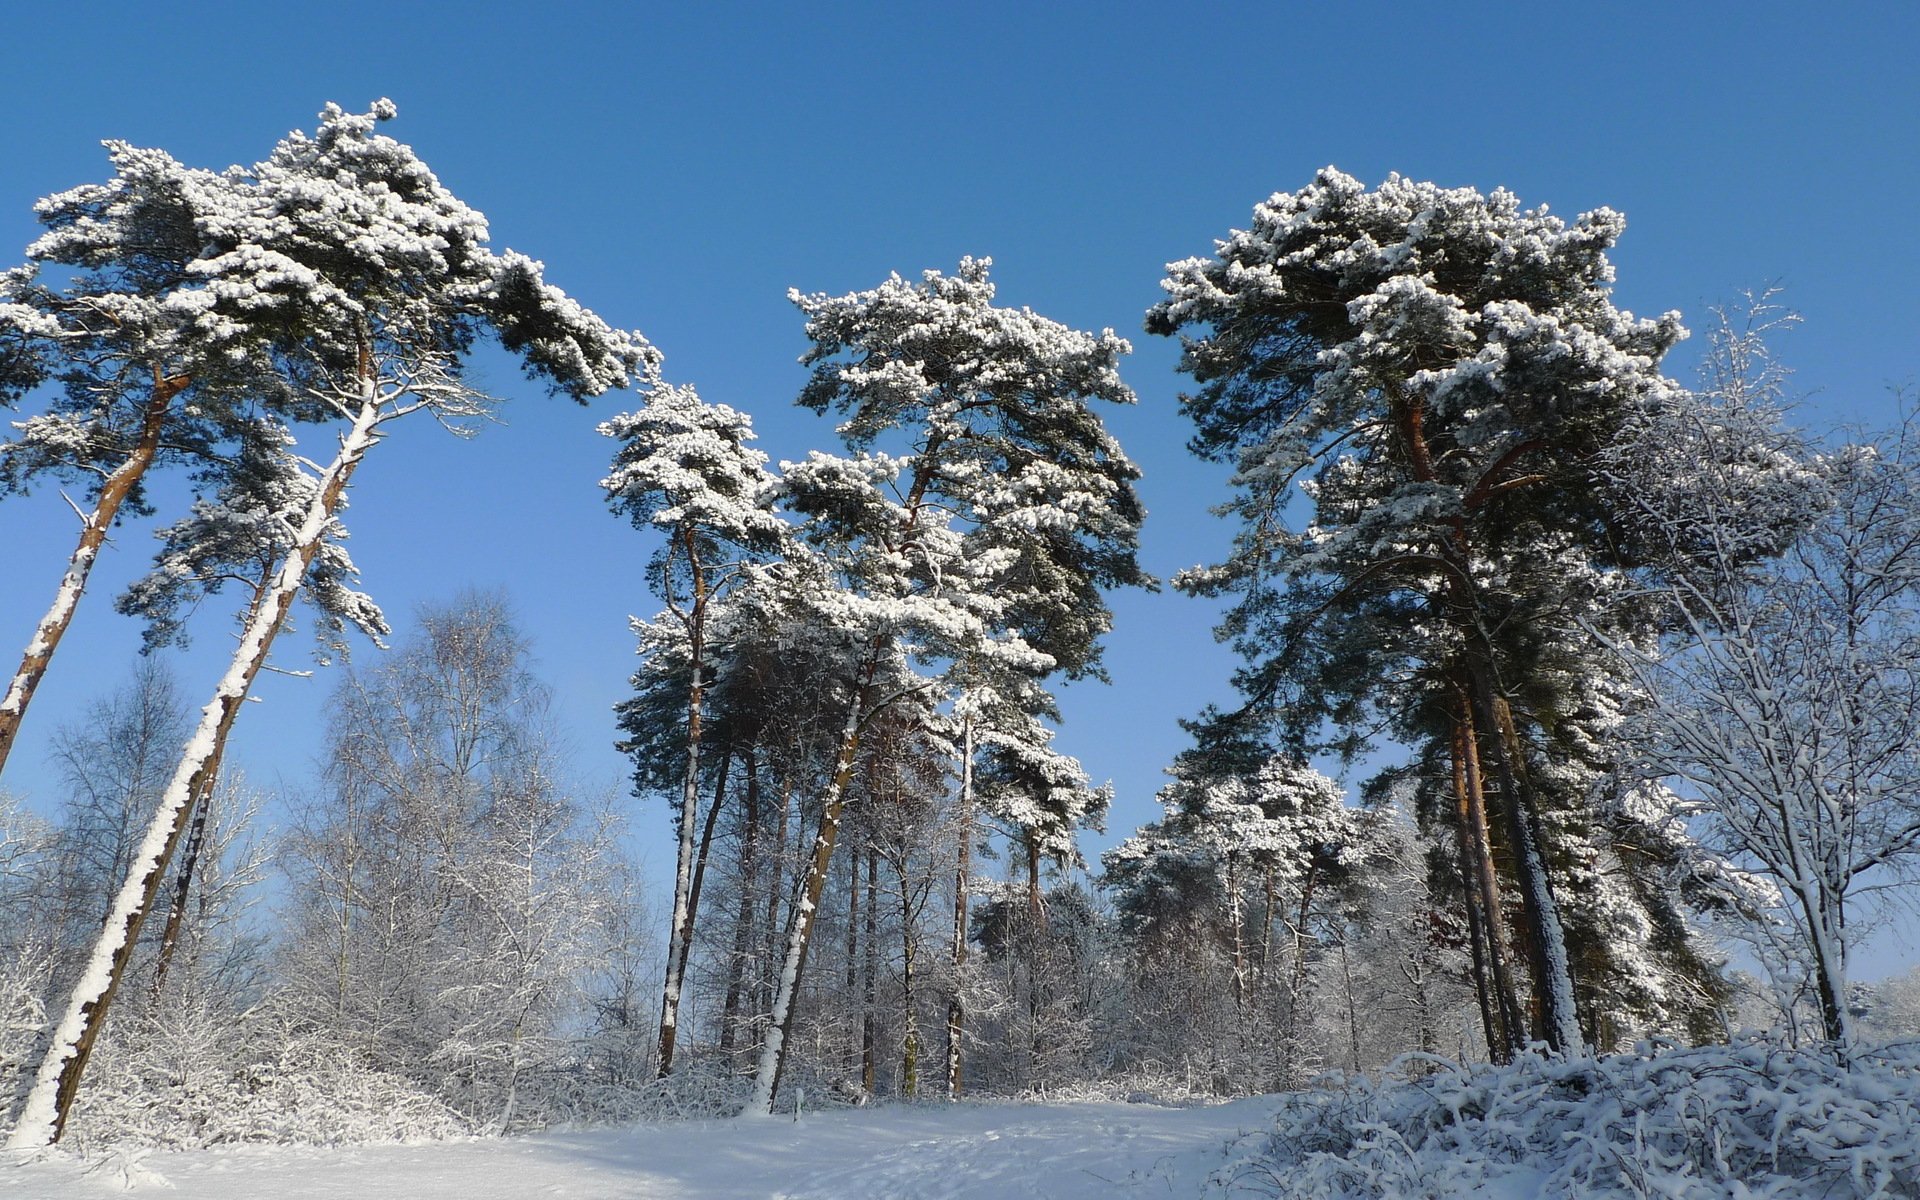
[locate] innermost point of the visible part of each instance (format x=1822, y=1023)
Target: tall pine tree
x=1434, y=372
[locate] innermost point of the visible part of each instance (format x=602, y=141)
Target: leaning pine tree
x=1438, y=371
x=370, y=282
x=145, y=379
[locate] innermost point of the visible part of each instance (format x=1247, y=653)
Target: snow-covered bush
x=200, y=1079
x=1746, y=1121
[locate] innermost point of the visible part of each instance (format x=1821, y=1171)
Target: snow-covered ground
x=930, y=1152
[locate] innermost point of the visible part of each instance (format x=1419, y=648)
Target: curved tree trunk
x=43, y=1118
x=93, y=534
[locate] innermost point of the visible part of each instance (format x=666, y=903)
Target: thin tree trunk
x=1266, y=927
x=800, y=924
x=183, y=881
x=700, y=858
x=1235, y=916
x=956, y=1008
x=682, y=932
x=870, y=995
x=776, y=890
x=1036, y=908
x=93, y=534
x=743, y=928
x=1353, y=1010
x=1037, y=946
x=43, y=1118
x=1297, y=981
x=910, y=1020
x=854, y=1035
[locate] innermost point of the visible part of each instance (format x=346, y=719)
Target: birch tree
x=1785, y=702
x=371, y=283
x=447, y=886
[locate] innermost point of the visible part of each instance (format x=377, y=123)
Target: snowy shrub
x=23, y=1013
x=200, y=1080
x=584, y=1096
x=1747, y=1121
x=1142, y=1084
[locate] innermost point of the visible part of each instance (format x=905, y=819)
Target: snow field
x=1087, y=1151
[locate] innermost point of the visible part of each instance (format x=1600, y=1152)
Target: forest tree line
x=1639, y=657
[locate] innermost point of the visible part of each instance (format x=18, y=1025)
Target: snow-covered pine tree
x=684, y=469
x=1010, y=778
x=988, y=542
x=240, y=535
x=1437, y=369
x=1275, y=838
x=370, y=283
x=144, y=379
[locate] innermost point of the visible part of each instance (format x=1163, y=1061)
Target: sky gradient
x=679, y=167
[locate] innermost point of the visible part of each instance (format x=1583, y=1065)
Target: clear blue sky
x=678, y=167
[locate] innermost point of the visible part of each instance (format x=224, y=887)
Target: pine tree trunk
x=93, y=534
x=801, y=922
x=743, y=928
x=870, y=993
x=1552, y=976
x=956, y=1009
x=43, y=1118
x=682, y=931
x=1496, y=1034
x=1478, y=853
